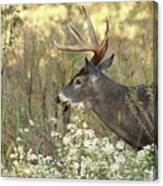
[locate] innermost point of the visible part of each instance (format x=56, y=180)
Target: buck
x=113, y=103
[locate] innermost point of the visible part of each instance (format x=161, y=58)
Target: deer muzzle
x=60, y=98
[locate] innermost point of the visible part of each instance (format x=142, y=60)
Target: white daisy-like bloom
x=18, y=139
x=26, y=130
x=31, y=122
x=120, y=145
x=53, y=120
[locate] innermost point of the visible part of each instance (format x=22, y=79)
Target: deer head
x=84, y=84
x=84, y=87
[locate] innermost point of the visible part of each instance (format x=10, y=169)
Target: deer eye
x=77, y=81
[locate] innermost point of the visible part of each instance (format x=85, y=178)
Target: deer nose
x=57, y=99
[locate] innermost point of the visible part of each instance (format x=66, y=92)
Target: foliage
x=80, y=154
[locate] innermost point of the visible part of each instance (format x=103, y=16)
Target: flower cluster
x=80, y=154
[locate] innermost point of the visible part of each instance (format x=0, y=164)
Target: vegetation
x=37, y=139
x=80, y=154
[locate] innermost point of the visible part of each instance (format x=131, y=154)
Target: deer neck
x=110, y=95
x=110, y=107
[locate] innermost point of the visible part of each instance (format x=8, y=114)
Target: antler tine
x=104, y=43
x=92, y=32
x=107, y=27
x=79, y=48
x=76, y=34
x=106, y=36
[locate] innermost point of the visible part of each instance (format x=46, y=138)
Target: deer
x=108, y=99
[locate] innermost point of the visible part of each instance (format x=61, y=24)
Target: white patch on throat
x=78, y=105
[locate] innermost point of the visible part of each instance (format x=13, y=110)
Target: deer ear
x=106, y=64
x=91, y=69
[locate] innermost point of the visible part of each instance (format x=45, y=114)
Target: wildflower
x=13, y=156
x=33, y=157
x=48, y=158
x=79, y=132
x=120, y=145
x=31, y=122
x=15, y=163
x=105, y=140
x=108, y=148
x=85, y=125
x=52, y=133
x=30, y=151
x=67, y=140
x=55, y=134
x=27, y=172
x=53, y=120
x=26, y=130
x=141, y=155
x=114, y=167
x=18, y=139
x=90, y=133
x=40, y=156
x=76, y=165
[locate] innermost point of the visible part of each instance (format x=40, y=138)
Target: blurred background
x=34, y=71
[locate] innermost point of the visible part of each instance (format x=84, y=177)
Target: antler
x=99, y=50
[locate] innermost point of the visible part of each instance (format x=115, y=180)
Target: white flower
x=79, y=132
x=53, y=120
x=55, y=134
x=141, y=154
x=119, y=158
x=120, y=145
x=85, y=125
x=147, y=147
x=83, y=168
x=71, y=127
x=67, y=140
x=105, y=140
x=76, y=165
x=114, y=167
x=27, y=171
x=30, y=151
x=86, y=143
x=108, y=148
x=48, y=158
x=15, y=163
x=40, y=156
x=26, y=130
x=90, y=133
x=20, y=149
x=73, y=154
x=60, y=163
x=13, y=156
x=90, y=144
x=52, y=133
x=31, y=122
x=18, y=139
x=76, y=118
x=33, y=156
